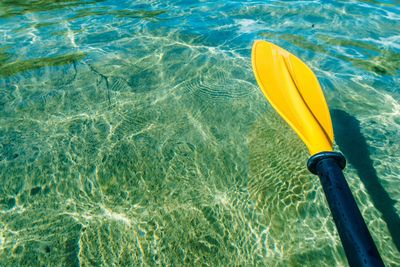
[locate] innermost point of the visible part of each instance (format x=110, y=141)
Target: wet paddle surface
x=135, y=133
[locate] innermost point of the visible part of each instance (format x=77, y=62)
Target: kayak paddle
x=294, y=92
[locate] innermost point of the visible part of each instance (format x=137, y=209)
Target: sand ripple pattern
x=214, y=84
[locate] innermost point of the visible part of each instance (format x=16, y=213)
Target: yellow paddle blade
x=294, y=92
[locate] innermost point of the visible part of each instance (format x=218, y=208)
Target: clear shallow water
x=134, y=133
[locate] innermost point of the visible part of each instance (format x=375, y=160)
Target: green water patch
x=387, y=63
x=145, y=14
x=335, y=41
x=377, y=61
x=12, y=8
x=19, y=66
x=4, y=55
x=44, y=24
x=381, y=62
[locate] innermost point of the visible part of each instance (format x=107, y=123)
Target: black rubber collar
x=315, y=159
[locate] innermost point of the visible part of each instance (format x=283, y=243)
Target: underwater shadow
x=355, y=148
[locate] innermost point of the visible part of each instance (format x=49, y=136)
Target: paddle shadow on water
x=353, y=145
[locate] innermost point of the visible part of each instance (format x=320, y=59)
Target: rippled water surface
x=133, y=132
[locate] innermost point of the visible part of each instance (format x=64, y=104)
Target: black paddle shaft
x=356, y=240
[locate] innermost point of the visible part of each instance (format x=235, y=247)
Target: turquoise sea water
x=133, y=133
